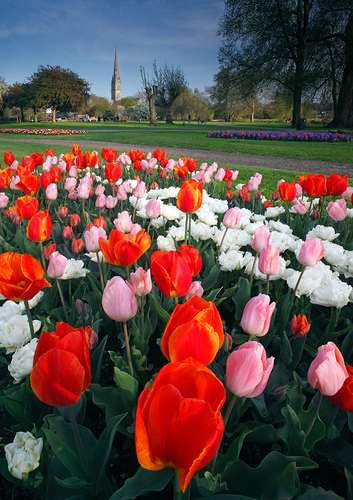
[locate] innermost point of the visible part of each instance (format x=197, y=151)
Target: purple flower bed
x=280, y=136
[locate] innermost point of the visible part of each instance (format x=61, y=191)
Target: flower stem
x=220, y=246
x=314, y=415
x=29, y=316
x=253, y=269
x=128, y=353
x=229, y=410
x=100, y=271
x=42, y=256
x=268, y=284
x=78, y=441
x=142, y=317
x=186, y=229
x=62, y=300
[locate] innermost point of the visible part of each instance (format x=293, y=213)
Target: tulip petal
x=244, y=372
x=57, y=378
x=180, y=442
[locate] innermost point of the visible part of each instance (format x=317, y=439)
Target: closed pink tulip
x=254, y=182
x=70, y=184
x=219, y=174
x=195, y=289
x=261, y=238
x=141, y=282
x=119, y=301
x=121, y=194
x=111, y=202
x=153, y=208
x=232, y=218
x=269, y=260
x=57, y=265
x=83, y=191
x=100, y=201
x=140, y=190
x=300, y=207
x=337, y=210
x=51, y=192
x=3, y=200
x=257, y=315
x=248, y=370
x=327, y=372
x=311, y=252
x=123, y=222
x=99, y=190
x=92, y=238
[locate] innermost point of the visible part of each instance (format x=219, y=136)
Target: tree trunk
x=168, y=115
x=54, y=115
x=344, y=110
x=151, y=96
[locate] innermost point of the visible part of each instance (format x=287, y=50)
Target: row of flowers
x=247, y=298
x=280, y=136
x=41, y=131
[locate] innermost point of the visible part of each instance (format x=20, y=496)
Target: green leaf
x=318, y=430
x=142, y=482
x=126, y=383
x=275, y=477
x=96, y=360
x=109, y=399
x=101, y=454
x=232, y=453
x=292, y=433
x=320, y=494
x=209, y=484
x=210, y=280
x=286, y=354
x=241, y=298
x=72, y=483
x=162, y=313
x=65, y=454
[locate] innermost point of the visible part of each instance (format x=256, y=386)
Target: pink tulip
x=300, y=207
x=220, y=174
x=232, y=218
x=140, y=281
x=254, y=182
x=123, y=222
x=299, y=190
x=14, y=181
x=3, y=200
x=99, y=189
x=135, y=228
x=140, y=190
x=257, y=315
x=57, y=265
x=195, y=289
x=100, y=201
x=119, y=301
x=235, y=174
x=70, y=184
x=248, y=370
x=311, y=252
x=327, y=372
x=51, y=192
x=153, y=208
x=337, y=210
x=207, y=176
x=73, y=195
x=73, y=171
x=121, y=194
x=83, y=191
x=261, y=238
x=92, y=238
x=269, y=260
x=111, y=202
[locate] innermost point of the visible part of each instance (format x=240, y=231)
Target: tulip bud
x=75, y=220
x=140, y=281
x=327, y=372
x=153, y=208
x=311, y=252
x=57, y=265
x=63, y=212
x=299, y=326
x=119, y=301
x=80, y=307
x=67, y=233
x=257, y=315
x=77, y=246
x=49, y=250
x=269, y=262
x=232, y=218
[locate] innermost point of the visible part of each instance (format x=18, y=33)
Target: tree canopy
x=171, y=84
x=58, y=88
x=287, y=43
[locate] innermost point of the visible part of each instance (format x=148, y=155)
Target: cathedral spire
x=116, y=93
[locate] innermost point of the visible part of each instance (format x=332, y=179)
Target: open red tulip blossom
x=189, y=198
x=193, y=330
x=248, y=370
x=61, y=366
x=27, y=206
x=171, y=273
x=192, y=258
x=344, y=397
x=178, y=419
x=124, y=249
x=287, y=191
x=21, y=276
x=328, y=372
x=40, y=226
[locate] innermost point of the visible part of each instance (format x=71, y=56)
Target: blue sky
x=82, y=34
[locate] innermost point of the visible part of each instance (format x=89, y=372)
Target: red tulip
x=124, y=249
x=75, y=220
x=109, y=155
x=29, y=163
x=38, y=158
x=336, y=185
x=136, y=155
x=299, y=326
x=178, y=420
x=344, y=397
x=193, y=330
x=21, y=276
x=171, y=273
x=27, y=206
x=55, y=174
x=61, y=366
x=287, y=191
x=45, y=179
x=77, y=246
x=29, y=184
x=112, y=172
x=192, y=258
x=313, y=185
x=8, y=157
x=5, y=178
x=190, y=196
x=39, y=227
x=67, y=233
x=159, y=154
x=76, y=149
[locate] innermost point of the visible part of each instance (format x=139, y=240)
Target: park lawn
x=159, y=138
x=268, y=184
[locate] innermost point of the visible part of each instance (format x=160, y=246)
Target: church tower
x=116, y=82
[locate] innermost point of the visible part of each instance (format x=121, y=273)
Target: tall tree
x=17, y=96
x=283, y=41
x=59, y=89
x=150, y=90
x=172, y=83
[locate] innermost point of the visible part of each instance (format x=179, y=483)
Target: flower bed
x=280, y=136
x=41, y=131
x=157, y=306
